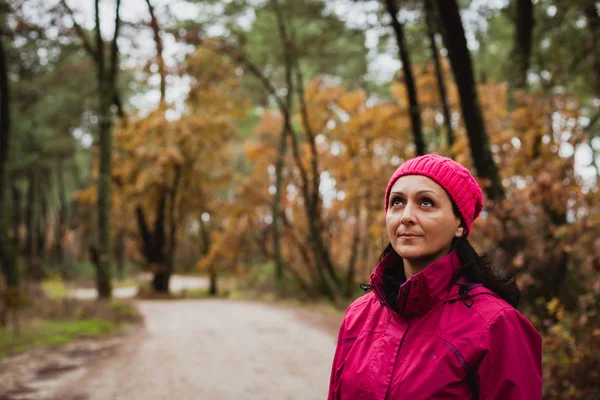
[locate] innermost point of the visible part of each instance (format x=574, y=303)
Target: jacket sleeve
x=333, y=378
x=511, y=363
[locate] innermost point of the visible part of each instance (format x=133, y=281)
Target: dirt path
x=213, y=349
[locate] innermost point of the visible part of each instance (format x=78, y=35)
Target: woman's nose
x=408, y=214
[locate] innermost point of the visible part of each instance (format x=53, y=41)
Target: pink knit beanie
x=453, y=177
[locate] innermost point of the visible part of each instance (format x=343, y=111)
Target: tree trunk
x=593, y=24
x=354, y=251
x=154, y=244
x=41, y=224
x=305, y=254
x=435, y=54
x=120, y=252
x=278, y=258
x=172, y=245
x=288, y=60
x=33, y=267
x=313, y=204
x=553, y=275
x=17, y=217
x=460, y=60
x=205, y=235
x=524, y=23
x=103, y=268
x=7, y=251
x=212, y=275
x=29, y=217
x=106, y=74
x=62, y=219
x=409, y=81
x=160, y=281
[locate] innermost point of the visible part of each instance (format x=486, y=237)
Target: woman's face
x=420, y=221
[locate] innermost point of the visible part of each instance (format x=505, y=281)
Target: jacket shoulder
x=359, y=311
x=361, y=301
x=463, y=326
x=486, y=305
x=473, y=330
x=489, y=305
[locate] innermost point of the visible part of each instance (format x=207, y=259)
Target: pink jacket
x=442, y=345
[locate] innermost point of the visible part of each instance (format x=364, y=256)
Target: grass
x=51, y=332
x=54, y=288
x=48, y=316
x=125, y=283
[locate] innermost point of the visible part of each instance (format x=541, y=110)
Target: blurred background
x=250, y=142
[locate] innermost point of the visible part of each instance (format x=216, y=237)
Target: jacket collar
x=422, y=291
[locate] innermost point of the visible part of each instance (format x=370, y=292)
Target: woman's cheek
x=391, y=223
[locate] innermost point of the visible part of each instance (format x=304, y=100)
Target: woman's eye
x=427, y=202
x=396, y=201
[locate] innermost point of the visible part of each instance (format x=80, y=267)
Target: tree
x=7, y=252
x=159, y=50
x=462, y=67
x=288, y=50
x=409, y=81
x=169, y=171
x=297, y=34
x=593, y=23
x=106, y=75
x=523, y=42
x=430, y=20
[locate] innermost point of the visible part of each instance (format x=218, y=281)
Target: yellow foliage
x=352, y=102
x=87, y=196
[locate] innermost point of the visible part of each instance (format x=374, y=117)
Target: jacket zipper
x=397, y=357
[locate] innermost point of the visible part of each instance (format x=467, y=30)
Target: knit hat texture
x=452, y=176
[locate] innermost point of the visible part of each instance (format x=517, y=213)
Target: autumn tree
x=169, y=170
x=106, y=74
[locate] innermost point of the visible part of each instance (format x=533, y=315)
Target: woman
x=438, y=324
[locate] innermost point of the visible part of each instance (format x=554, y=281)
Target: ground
x=188, y=349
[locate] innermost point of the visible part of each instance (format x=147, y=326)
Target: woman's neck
x=410, y=268
x=414, y=266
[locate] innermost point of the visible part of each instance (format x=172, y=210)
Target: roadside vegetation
x=46, y=316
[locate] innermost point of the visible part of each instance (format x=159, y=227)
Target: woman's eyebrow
x=427, y=191
x=401, y=193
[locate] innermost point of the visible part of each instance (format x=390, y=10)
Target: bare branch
x=81, y=33
x=99, y=43
x=310, y=136
x=249, y=66
x=159, y=50
x=114, y=49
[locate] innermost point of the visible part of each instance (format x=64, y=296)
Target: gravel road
x=213, y=349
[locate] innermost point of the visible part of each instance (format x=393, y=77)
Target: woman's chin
x=410, y=252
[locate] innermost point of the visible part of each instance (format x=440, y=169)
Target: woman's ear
x=460, y=231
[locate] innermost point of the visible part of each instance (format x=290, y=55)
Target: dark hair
x=477, y=269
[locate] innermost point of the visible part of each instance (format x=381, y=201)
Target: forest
x=252, y=140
